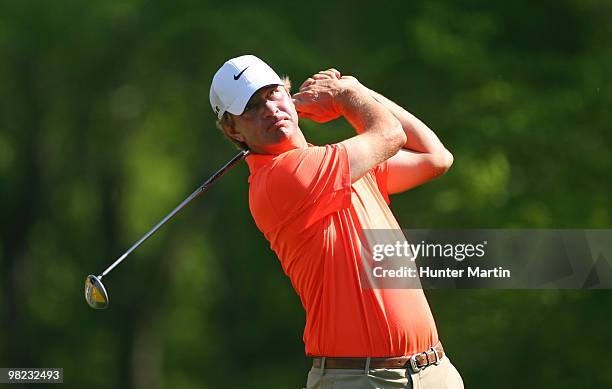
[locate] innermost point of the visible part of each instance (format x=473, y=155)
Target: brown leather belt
x=416, y=362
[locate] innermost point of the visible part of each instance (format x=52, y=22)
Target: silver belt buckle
x=413, y=363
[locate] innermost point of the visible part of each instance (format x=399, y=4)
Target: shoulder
x=312, y=181
x=301, y=166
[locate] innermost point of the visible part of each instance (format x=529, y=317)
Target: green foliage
x=105, y=125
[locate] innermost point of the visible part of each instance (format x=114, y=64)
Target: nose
x=270, y=109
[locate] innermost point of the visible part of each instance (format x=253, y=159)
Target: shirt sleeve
x=381, y=174
x=310, y=183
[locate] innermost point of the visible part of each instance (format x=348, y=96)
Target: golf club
x=95, y=292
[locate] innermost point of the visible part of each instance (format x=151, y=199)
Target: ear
x=230, y=131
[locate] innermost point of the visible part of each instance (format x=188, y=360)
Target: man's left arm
x=422, y=158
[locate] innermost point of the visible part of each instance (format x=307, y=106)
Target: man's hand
x=328, y=95
x=318, y=97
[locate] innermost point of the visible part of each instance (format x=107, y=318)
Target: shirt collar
x=258, y=161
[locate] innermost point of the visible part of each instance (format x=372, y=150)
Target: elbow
x=442, y=161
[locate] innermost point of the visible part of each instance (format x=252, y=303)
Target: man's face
x=269, y=123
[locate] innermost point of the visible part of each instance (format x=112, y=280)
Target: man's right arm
x=380, y=134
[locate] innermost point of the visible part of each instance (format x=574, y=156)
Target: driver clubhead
x=95, y=293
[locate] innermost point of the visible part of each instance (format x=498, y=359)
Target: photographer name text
x=427, y=272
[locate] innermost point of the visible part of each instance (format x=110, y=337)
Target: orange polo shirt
x=305, y=205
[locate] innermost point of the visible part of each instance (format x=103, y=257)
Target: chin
x=279, y=139
x=284, y=131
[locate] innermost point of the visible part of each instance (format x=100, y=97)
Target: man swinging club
x=313, y=202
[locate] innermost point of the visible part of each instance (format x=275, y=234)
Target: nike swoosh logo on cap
x=236, y=77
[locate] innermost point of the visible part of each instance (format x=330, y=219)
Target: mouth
x=278, y=123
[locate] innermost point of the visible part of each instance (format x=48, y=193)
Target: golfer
x=312, y=203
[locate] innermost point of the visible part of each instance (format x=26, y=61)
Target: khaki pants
x=442, y=376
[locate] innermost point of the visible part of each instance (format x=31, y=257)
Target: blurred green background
x=105, y=126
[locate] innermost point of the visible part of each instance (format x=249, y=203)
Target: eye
x=274, y=92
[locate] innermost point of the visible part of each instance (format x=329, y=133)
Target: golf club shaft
x=240, y=156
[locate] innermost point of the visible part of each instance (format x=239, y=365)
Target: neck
x=298, y=141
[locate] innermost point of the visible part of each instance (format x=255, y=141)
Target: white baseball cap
x=236, y=81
